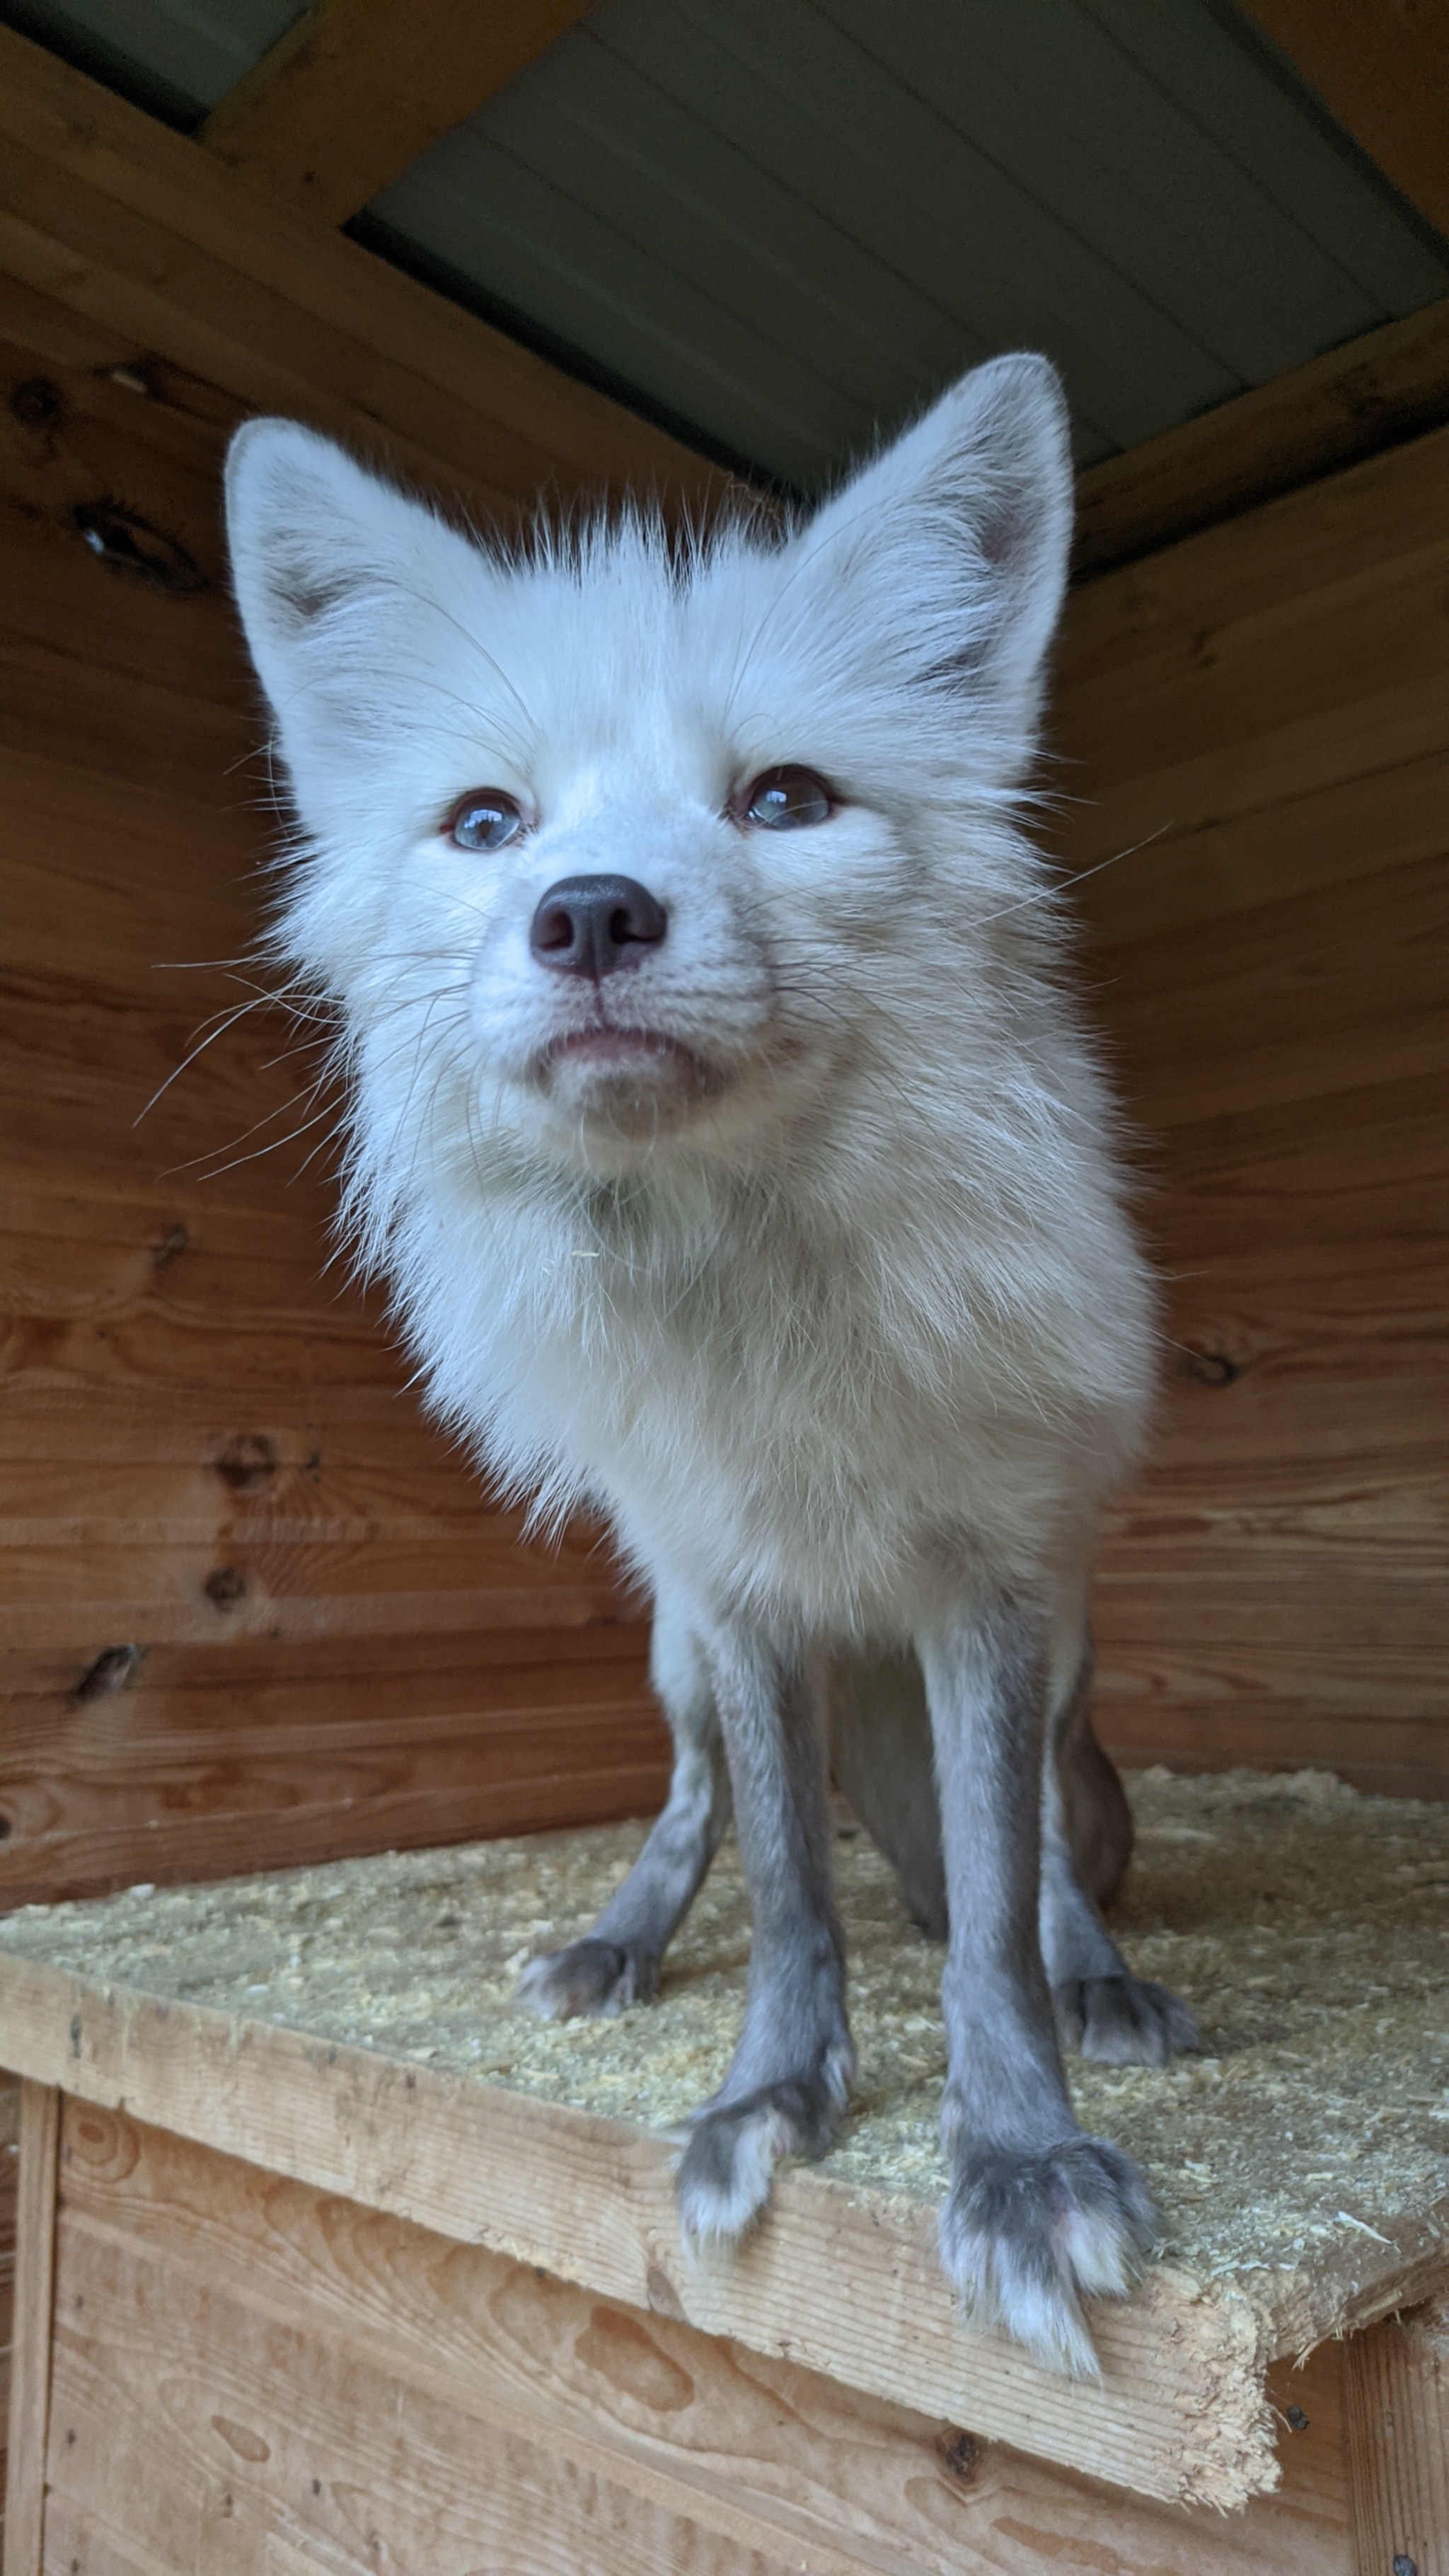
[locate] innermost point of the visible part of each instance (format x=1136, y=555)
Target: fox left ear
x=958, y=535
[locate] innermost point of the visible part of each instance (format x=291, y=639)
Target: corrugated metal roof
x=782, y=222
x=786, y=219
x=175, y=56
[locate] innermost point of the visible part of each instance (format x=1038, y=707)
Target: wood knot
x=128, y=544
x=248, y=1462
x=114, y=1666
x=624, y=2353
x=960, y=2455
x=240, y=2438
x=226, y=1587
x=37, y=404
x=175, y=1240
x=661, y=2293
x=1209, y=1368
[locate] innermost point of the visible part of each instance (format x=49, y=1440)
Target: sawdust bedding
x=1307, y=1926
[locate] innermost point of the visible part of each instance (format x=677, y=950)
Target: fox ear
x=954, y=541
x=335, y=573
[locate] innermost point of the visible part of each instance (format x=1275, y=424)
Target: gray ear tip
x=246, y=453
x=1029, y=378
x=264, y=443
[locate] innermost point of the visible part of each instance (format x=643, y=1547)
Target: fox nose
x=593, y=925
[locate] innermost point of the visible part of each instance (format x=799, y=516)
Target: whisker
x=227, y=1020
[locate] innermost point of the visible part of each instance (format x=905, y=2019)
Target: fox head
x=617, y=848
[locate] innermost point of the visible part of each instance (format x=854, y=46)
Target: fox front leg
x=1038, y=2215
x=793, y=2066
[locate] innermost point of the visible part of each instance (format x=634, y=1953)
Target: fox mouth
x=616, y=1070
x=605, y=1048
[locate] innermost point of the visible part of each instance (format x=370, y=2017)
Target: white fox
x=722, y=1121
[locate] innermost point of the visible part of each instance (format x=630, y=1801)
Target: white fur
x=853, y=1301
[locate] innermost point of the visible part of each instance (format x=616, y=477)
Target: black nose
x=592, y=925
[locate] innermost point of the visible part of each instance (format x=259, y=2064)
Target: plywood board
x=31, y=2328
x=268, y=2299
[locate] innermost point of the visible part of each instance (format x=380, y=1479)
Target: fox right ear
x=303, y=523
x=334, y=571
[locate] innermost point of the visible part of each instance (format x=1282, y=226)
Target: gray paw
x=1123, y=2021
x=590, y=1977
x=724, y=2175
x=1025, y=2237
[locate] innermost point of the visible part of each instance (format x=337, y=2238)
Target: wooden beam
x=1383, y=69
x=1391, y=385
x=30, y=2346
x=1396, y=2416
x=149, y=236
x=141, y=235
x=357, y=89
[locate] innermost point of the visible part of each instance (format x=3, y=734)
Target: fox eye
x=785, y=799
x=487, y=818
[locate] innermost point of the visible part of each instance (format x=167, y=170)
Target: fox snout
x=594, y=925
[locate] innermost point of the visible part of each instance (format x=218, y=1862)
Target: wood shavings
x=1305, y=1924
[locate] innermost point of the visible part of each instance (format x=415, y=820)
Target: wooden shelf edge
x=841, y=2281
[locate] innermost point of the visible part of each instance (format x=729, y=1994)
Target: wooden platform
x=355, y=2268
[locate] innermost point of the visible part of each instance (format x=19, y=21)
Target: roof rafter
x=1384, y=71
x=357, y=89
x=1375, y=392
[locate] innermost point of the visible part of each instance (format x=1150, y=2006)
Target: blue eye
x=487, y=818
x=785, y=800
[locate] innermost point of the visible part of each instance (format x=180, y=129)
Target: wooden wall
x=1264, y=711
x=206, y=1450
x=252, y=1609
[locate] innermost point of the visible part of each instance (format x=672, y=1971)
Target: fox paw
x=591, y=1977
x=724, y=2175
x=1024, y=2238
x=1123, y=2021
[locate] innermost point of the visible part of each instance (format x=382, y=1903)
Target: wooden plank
x=1272, y=1583
x=1311, y=421
x=262, y=2420
x=30, y=2360
x=10, y=2092
x=1352, y=527
x=839, y=2282
x=1390, y=385
x=1294, y=851
x=352, y=93
x=317, y=1796
x=164, y=1336
x=1397, y=2419
x=1384, y=71
x=745, y=2448
x=1246, y=677
x=144, y=232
